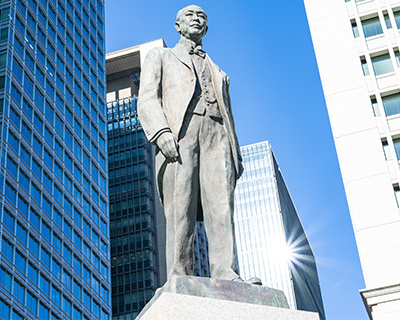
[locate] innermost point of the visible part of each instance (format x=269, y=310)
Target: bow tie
x=197, y=50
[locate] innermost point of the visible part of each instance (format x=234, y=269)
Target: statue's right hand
x=168, y=146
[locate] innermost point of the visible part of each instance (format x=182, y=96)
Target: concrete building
x=357, y=49
x=271, y=241
x=53, y=192
x=138, y=265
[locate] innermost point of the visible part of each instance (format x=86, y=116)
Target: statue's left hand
x=168, y=146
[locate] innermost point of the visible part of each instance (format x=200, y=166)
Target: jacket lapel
x=181, y=53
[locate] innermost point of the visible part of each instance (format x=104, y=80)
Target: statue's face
x=192, y=23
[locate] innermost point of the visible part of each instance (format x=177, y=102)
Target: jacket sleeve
x=228, y=100
x=150, y=107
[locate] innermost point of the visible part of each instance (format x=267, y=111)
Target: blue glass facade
x=133, y=245
x=54, y=220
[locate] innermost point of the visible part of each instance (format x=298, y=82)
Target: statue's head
x=191, y=23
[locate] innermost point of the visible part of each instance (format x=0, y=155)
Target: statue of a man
x=185, y=109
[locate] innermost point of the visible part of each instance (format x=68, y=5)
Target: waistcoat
x=204, y=100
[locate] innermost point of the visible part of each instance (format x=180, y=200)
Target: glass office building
x=133, y=243
x=138, y=265
x=271, y=241
x=54, y=221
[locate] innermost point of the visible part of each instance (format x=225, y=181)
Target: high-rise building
x=138, y=264
x=54, y=221
x=271, y=242
x=357, y=49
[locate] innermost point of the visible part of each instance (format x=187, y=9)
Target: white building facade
x=271, y=241
x=357, y=45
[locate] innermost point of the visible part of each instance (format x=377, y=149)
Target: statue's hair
x=180, y=12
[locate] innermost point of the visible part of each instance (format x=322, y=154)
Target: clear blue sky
x=265, y=47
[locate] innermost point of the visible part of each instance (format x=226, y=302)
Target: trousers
x=203, y=178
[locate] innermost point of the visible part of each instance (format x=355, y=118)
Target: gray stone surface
x=173, y=306
x=216, y=289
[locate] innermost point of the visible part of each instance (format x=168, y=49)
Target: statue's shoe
x=255, y=281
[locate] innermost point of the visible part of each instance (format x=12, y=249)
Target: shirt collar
x=189, y=44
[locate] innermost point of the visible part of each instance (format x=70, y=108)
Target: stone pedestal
x=196, y=298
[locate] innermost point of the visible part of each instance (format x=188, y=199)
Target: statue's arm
x=150, y=104
x=239, y=155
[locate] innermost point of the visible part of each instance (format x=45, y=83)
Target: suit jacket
x=167, y=85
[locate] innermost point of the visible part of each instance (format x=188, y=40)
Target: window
x=86, y=300
x=391, y=104
x=397, y=57
x=36, y=169
x=35, y=193
x=43, y=312
x=66, y=306
x=25, y=156
x=31, y=302
x=19, y=291
x=86, y=227
x=10, y=193
x=56, y=269
x=6, y=249
x=396, y=143
x=397, y=194
x=47, y=181
x=57, y=218
x=23, y=180
x=55, y=296
x=86, y=274
x=387, y=22
x=12, y=139
x=22, y=206
x=86, y=250
x=371, y=27
x=77, y=265
x=397, y=18
x=57, y=243
x=76, y=314
x=375, y=107
x=382, y=64
x=364, y=66
x=46, y=231
x=8, y=220
x=66, y=279
x=12, y=167
x=5, y=280
x=45, y=258
x=77, y=240
x=44, y=285
x=26, y=132
x=67, y=254
x=58, y=194
x=68, y=230
x=33, y=246
x=21, y=234
x=17, y=71
x=34, y=219
x=20, y=261
x=77, y=217
x=32, y=274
